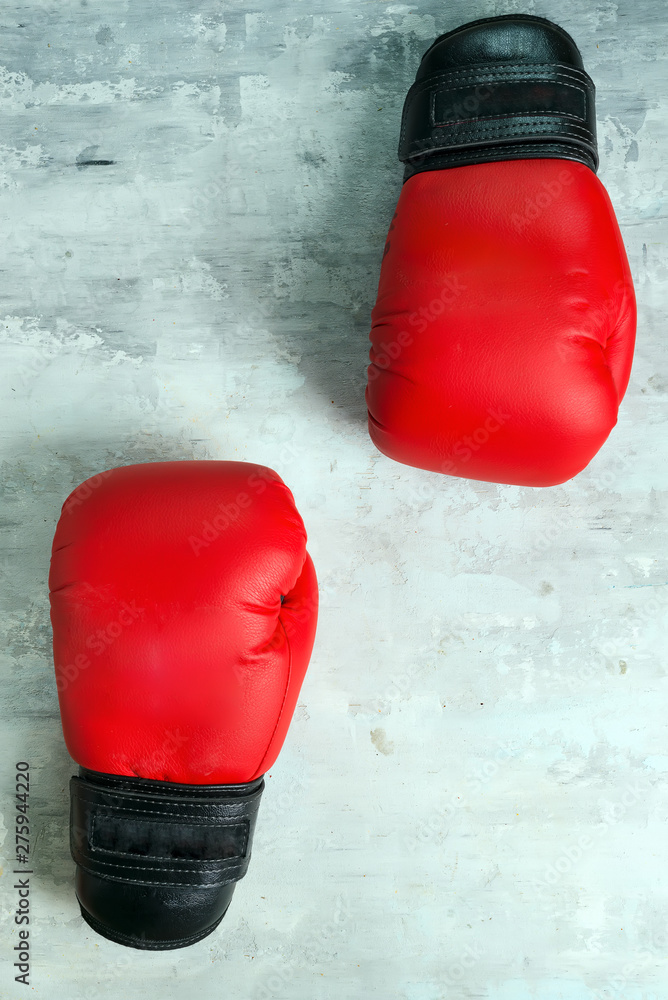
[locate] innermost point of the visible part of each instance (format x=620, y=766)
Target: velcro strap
x=495, y=105
x=154, y=835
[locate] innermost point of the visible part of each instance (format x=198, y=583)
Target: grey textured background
x=487, y=690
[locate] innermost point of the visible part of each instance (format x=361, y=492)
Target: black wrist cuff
x=501, y=88
x=157, y=861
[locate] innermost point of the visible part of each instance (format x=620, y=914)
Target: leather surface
x=504, y=326
x=156, y=861
x=510, y=38
x=184, y=606
x=498, y=88
x=163, y=833
x=157, y=924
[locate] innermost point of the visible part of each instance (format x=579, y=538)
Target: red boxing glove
x=184, y=606
x=504, y=327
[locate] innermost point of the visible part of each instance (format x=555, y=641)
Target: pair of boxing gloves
x=183, y=599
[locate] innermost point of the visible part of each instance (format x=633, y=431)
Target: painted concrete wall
x=487, y=693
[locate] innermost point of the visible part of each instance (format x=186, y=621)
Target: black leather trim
x=499, y=88
x=140, y=942
x=157, y=861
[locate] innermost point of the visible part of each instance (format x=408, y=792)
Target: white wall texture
x=471, y=803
